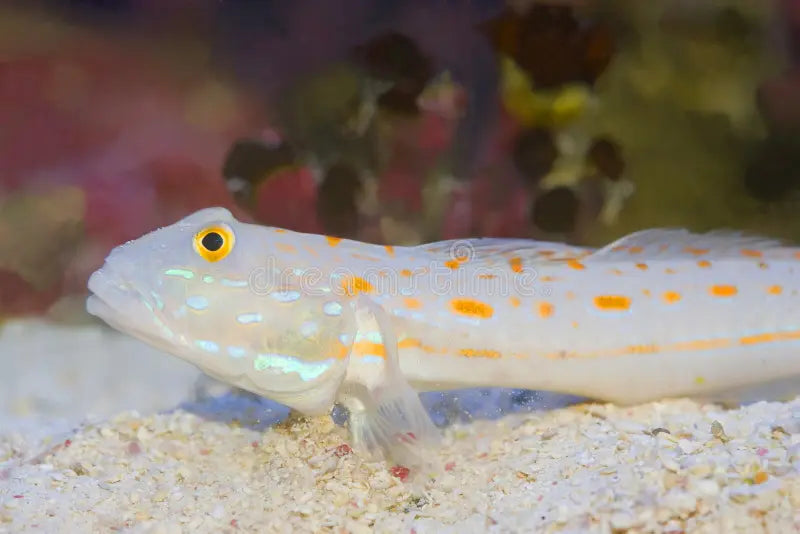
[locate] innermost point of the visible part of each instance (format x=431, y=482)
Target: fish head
x=196, y=289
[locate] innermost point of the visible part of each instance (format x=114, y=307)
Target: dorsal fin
x=673, y=243
x=489, y=248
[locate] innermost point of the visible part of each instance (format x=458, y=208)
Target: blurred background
x=386, y=121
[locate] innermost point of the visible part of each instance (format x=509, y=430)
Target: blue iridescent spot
x=372, y=337
x=290, y=364
x=286, y=296
x=233, y=283
x=182, y=273
x=308, y=329
x=197, y=302
x=208, y=346
x=248, y=318
x=157, y=299
x=237, y=352
x=332, y=308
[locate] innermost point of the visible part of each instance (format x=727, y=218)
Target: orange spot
x=479, y=353
x=616, y=272
x=516, y=264
x=412, y=302
x=618, y=248
x=368, y=348
x=670, y=271
x=456, y=262
x=635, y=250
x=760, y=477
x=696, y=251
x=797, y=255
x=354, y=285
x=575, y=264
x=545, y=310
x=471, y=308
x=284, y=247
x=704, y=264
x=547, y=252
x=280, y=231
x=641, y=266
x=671, y=297
x=612, y=302
x=333, y=241
x=514, y=301
x=723, y=290
x=549, y=279
x=574, y=324
x=750, y=253
x=775, y=290
x=646, y=292
x=409, y=343
x=487, y=276
x=389, y=250
x=570, y=295
x=405, y=272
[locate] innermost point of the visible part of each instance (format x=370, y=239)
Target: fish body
x=308, y=320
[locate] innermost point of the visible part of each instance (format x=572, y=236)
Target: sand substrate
x=675, y=466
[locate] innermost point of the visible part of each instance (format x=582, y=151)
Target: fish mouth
x=117, y=302
x=126, y=309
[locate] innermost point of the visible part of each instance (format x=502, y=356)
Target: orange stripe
x=751, y=253
x=367, y=348
x=479, y=353
x=409, y=343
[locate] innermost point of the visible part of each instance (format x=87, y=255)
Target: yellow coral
x=537, y=107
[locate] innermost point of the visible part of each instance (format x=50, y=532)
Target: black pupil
x=213, y=241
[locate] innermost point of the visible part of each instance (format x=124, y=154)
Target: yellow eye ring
x=214, y=242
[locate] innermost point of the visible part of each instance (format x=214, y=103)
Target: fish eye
x=214, y=242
